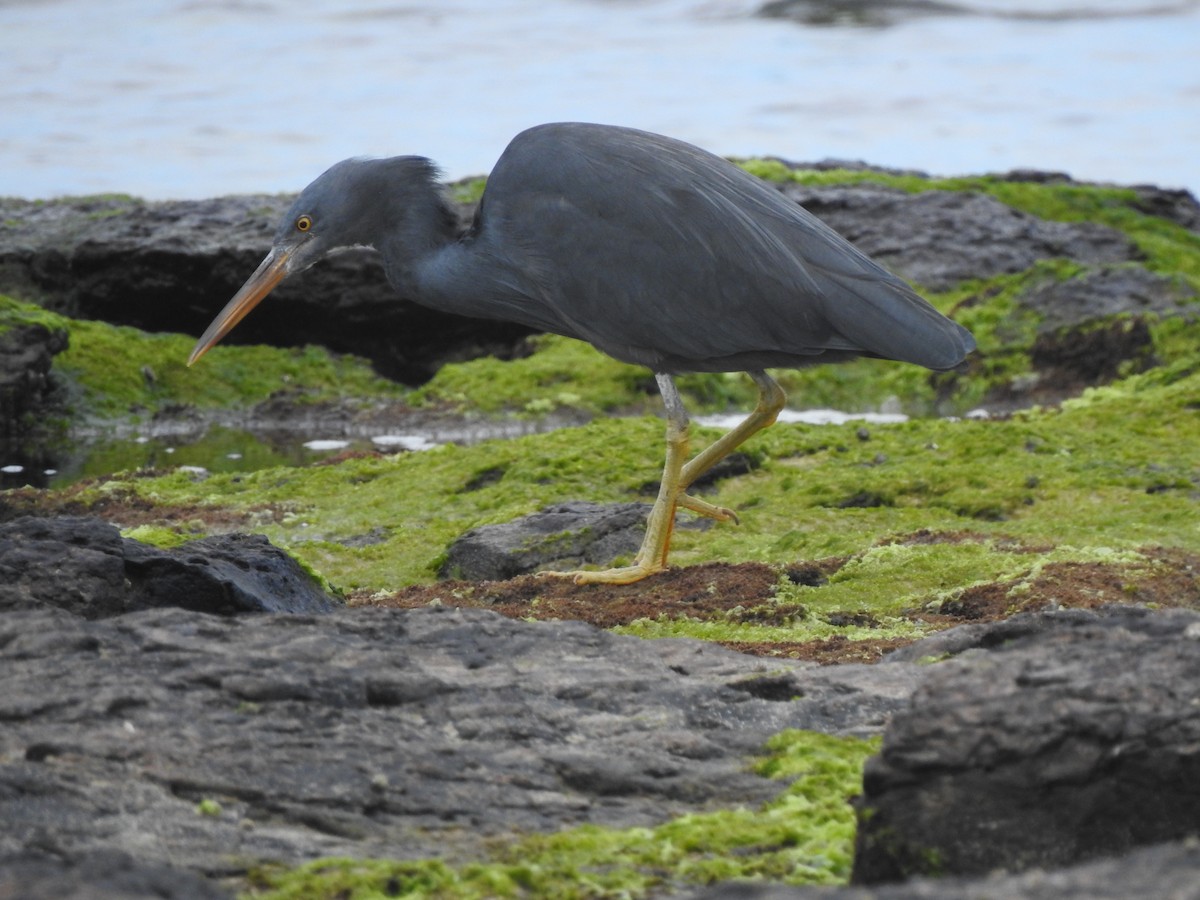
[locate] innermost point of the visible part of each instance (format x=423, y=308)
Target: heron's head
x=347, y=206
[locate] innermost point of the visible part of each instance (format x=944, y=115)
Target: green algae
x=467, y=190
x=805, y=836
x=157, y=376
x=1115, y=470
x=410, y=506
x=561, y=372
x=883, y=586
x=158, y=536
x=116, y=372
x=14, y=312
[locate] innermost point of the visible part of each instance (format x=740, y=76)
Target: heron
x=656, y=252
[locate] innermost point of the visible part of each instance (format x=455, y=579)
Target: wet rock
x=1166, y=870
x=26, y=385
x=84, y=565
x=1047, y=740
x=941, y=238
x=212, y=744
x=565, y=536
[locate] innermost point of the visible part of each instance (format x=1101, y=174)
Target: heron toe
x=620, y=575
x=704, y=508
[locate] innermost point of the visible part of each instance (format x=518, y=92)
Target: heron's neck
x=429, y=260
x=418, y=225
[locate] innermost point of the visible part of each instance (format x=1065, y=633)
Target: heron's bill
x=268, y=274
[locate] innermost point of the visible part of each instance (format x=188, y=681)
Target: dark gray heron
x=652, y=250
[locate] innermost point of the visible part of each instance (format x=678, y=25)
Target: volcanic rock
x=85, y=566
x=1047, y=740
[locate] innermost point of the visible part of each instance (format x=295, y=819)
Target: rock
x=869, y=13
x=1173, y=204
x=27, y=388
x=1166, y=870
x=1070, y=359
x=172, y=266
x=1096, y=327
x=84, y=566
x=104, y=875
x=565, y=536
x=941, y=238
x=1104, y=292
x=1047, y=740
x=213, y=744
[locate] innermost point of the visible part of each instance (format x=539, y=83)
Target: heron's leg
x=652, y=557
x=704, y=508
x=771, y=399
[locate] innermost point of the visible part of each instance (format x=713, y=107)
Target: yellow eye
x=304, y=223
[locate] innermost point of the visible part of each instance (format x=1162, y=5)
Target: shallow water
x=183, y=98
x=247, y=447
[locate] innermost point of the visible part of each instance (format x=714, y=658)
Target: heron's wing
x=656, y=251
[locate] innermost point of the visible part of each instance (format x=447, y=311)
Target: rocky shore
x=206, y=717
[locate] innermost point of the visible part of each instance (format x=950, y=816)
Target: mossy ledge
x=805, y=836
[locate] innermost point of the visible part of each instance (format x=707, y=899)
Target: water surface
x=188, y=98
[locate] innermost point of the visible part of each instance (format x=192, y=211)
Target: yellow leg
x=677, y=477
x=652, y=557
x=771, y=399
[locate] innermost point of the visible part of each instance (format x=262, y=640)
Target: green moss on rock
x=805, y=836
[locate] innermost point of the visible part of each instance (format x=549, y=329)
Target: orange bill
x=269, y=273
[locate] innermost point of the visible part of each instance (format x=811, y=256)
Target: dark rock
x=566, y=536
x=1166, y=870
x=213, y=744
x=1174, y=205
x=941, y=238
x=1107, y=291
x=1059, y=738
x=104, y=875
x=84, y=566
x=26, y=385
x=868, y=13
x=1071, y=359
x=171, y=266
x=1095, y=328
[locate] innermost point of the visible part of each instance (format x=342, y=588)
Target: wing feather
x=660, y=253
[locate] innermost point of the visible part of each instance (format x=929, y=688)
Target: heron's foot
x=621, y=575
x=704, y=508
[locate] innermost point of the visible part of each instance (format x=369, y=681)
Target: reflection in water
x=223, y=449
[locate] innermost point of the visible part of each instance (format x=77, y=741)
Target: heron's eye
x=304, y=223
